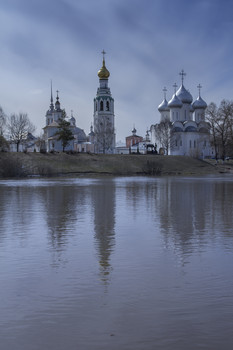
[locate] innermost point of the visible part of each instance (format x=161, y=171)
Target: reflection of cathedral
x=190, y=133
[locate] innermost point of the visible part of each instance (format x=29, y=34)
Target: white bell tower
x=104, y=128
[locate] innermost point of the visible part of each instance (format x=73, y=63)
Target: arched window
x=101, y=105
x=96, y=106
x=107, y=106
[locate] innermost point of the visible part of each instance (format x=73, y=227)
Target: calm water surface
x=116, y=263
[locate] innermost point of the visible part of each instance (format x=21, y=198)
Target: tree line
x=220, y=119
x=17, y=127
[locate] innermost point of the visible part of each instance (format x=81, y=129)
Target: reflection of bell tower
x=104, y=223
x=104, y=114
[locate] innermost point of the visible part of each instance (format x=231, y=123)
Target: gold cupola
x=103, y=73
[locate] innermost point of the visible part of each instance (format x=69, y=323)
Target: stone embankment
x=58, y=164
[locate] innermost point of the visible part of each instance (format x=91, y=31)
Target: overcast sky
x=147, y=43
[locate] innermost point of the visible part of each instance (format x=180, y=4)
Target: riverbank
x=36, y=164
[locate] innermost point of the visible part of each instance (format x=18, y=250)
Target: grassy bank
x=21, y=165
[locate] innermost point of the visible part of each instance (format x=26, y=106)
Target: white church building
x=189, y=133
x=53, y=116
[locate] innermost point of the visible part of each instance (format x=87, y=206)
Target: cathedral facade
x=189, y=133
x=53, y=116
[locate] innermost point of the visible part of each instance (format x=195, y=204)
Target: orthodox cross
x=175, y=86
x=104, y=53
x=199, y=89
x=183, y=74
x=71, y=112
x=51, y=91
x=164, y=91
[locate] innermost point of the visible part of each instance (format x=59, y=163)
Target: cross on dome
x=103, y=53
x=182, y=74
x=165, y=91
x=51, y=99
x=103, y=73
x=57, y=94
x=175, y=86
x=199, y=89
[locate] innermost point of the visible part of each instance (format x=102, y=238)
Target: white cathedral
x=53, y=115
x=190, y=133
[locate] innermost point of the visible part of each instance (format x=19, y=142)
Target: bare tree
x=2, y=121
x=211, y=117
x=221, y=123
x=163, y=134
x=18, y=127
x=105, y=136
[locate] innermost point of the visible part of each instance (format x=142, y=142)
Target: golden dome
x=103, y=73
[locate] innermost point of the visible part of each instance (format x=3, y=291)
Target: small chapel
x=189, y=131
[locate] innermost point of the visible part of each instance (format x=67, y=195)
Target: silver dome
x=175, y=102
x=163, y=107
x=184, y=95
x=199, y=103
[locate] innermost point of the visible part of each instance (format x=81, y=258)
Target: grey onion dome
x=184, y=95
x=72, y=120
x=80, y=133
x=175, y=102
x=191, y=109
x=163, y=107
x=199, y=103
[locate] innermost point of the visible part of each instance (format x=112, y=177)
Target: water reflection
x=120, y=286
x=104, y=206
x=64, y=207
x=193, y=211
x=18, y=209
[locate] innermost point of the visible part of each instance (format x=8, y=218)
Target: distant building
x=189, y=133
x=29, y=144
x=133, y=139
x=104, y=126
x=143, y=146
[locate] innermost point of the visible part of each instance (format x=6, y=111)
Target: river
x=130, y=263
